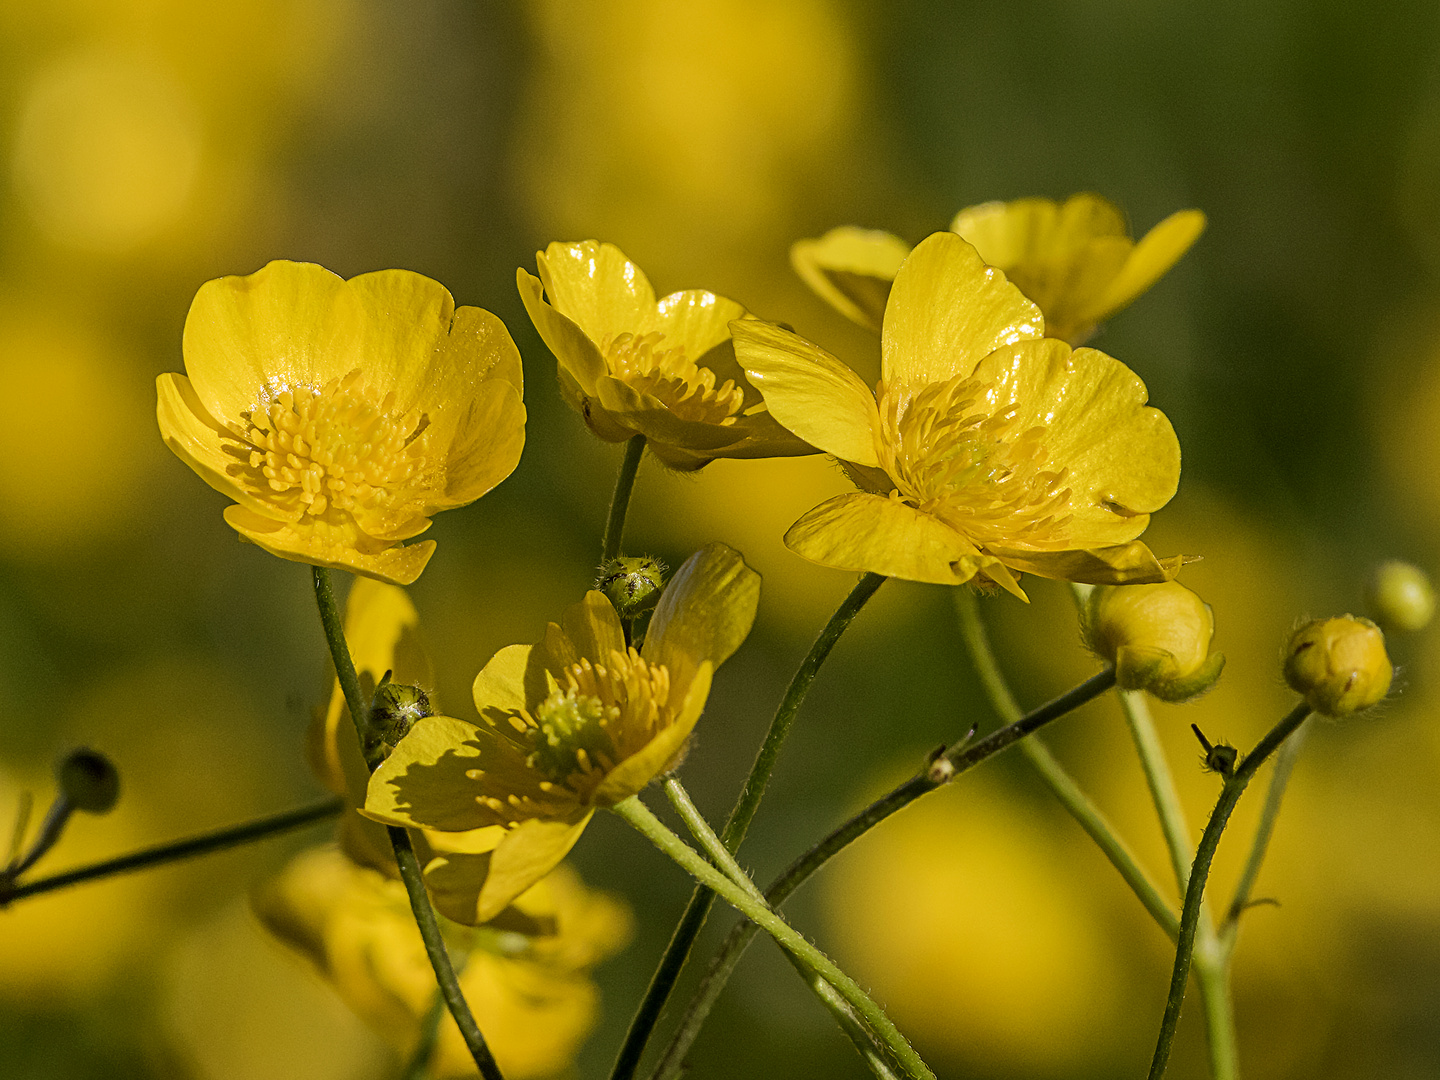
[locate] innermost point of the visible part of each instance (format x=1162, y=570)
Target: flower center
x=687, y=390
x=335, y=447
x=600, y=715
x=978, y=471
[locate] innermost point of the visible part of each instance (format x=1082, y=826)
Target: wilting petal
x=1121, y=564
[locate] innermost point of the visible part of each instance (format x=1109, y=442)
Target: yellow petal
x=705, y=612
x=696, y=320
x=865, y=532
x=200, y=441
x=809, y=391
x=660, y=754
x=319, y=545
x=598, y=288
x=405, y=336
x=947, y=312
x=1121, y=457
x=424, y=781
x=248, y=338
x=473, y=889
x=501, y=683
x=851, y=269
x=1154, y=255
x=578, y=356
x=1120, y=564
x=486, y=438
x=593, y=627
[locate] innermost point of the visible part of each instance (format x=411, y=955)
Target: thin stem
x=1279, y=780
x=958, y=758
x=418, y=1067
x=620, y=500
x=642, y=820
x=229, y=837
x=642, y=1024
x=850, y=1023
x=1054, y=775
x=1230, y=794
x=51, y=829
x=1160, y=780
x=1212, y=975
x=373, y=748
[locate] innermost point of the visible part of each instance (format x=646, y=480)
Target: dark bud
x=89, y=781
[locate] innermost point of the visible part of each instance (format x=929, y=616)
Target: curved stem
x=1230, y=794
x=620, y=500
x=698, y=908
x=374, y=751
x=1054, y=775
x=958, y=758
x=642, y=820
x=229, y=837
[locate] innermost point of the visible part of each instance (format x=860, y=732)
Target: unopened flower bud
x=1338, y=665
x=1401, y=596
x=395, y=708
x=89, y=780
x=1157, y=636
x=632, y=585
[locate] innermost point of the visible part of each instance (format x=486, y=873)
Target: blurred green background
x=149, y=145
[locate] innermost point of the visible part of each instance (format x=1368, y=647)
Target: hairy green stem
x=229, y=837
x=638, y=816
x=956, y=759
x=642, y=1024
x=1230, y=793
x=620, y=499
x=1054, y=775
x=373, y=748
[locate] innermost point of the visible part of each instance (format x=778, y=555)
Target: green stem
x=1279, y=780
x=1061, y=784
x=642, y=1024
x=229, y=837
x=1160, y=780
x=1212, y=975
x=620, y=500
x=959, y=758
x=845, y=1015
x=647, y=824
x=373, y=748
x=1230, y=793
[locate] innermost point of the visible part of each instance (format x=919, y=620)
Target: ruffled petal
x=809, y=391
x=852, y=270
x=864, y=532
x=1153, y=256
x=705, y=612
x=249, y=338
x=1121, y=457
x=340, y=547
x=947, y=312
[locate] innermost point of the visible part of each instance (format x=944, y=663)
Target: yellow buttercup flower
x=531, y=994
x=1075, y=260
x=985, y=448
x=634, y=365
x=340, y=415
x=576, y=721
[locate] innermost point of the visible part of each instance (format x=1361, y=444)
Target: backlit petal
x=705, y=612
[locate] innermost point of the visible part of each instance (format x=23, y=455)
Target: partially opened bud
x=1157, y=636
x=1401, y=596
x=89, y=780
x=1339, y=665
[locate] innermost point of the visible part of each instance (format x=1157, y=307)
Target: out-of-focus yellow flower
x=339, y=415
x=634, y=365
x=574, y=722
x=985, y=449
x=1075, y=260
x=531, y=995
x=1401, y=596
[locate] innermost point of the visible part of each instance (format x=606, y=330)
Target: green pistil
x=567, y=725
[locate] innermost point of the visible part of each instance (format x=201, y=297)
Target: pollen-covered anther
x=643, y=363
x=334, y=447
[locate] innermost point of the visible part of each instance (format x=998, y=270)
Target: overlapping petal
x=852, y=269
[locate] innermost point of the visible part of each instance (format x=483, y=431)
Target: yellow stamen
x=666, y=373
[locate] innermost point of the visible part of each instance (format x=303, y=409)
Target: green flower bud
x=1401, y=597
x=1338, y=665
x=1157, y=636
x=88, y=780
x=395, y=708
x=632, y=585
